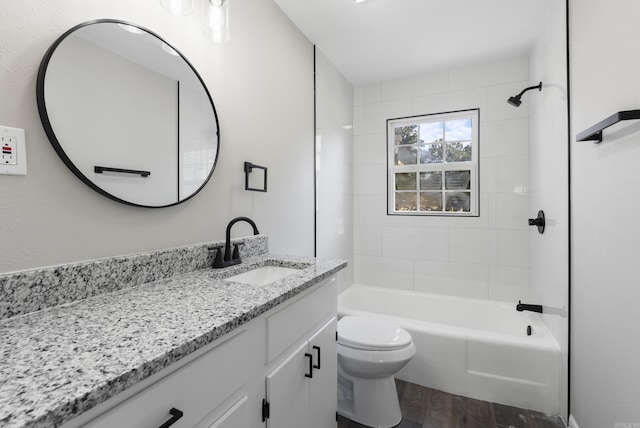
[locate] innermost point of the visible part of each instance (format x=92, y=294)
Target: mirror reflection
x=128, y=114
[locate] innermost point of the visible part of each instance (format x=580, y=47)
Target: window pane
x=406, y=135
x=430, y=201
x=458, y=202
x=431, y=132
x=457, y=130
x=431, y=153
x=406, y=155
x=433, y=164
x=406, y=201
x=457, y=180
x=459, y=151
x=406, y=181
x=431, y=180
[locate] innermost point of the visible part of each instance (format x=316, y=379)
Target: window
x=433, y=164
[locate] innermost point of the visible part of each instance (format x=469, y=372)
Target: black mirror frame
x=46, y=123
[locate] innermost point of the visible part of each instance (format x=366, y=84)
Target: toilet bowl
x=370, y=352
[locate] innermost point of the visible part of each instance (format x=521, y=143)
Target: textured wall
x=262, y=85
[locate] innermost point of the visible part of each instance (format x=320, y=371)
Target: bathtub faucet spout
x=525, y=307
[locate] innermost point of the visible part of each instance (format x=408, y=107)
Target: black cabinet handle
x=175, y=415
x=310, y=374
x=317, y=348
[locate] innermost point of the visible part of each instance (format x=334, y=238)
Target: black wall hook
x=538, y=221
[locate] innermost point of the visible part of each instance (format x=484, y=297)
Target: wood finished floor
x=428, y=408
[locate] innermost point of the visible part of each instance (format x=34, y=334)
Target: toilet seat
x=371, y=334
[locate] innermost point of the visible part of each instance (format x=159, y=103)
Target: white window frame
x=473, y=166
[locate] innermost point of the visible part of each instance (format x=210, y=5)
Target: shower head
x=517, y=100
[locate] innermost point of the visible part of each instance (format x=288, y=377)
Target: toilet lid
x=371, y=334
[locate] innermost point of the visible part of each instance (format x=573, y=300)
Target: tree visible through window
x=433, y=164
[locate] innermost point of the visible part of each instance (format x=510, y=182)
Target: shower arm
x=538, y=87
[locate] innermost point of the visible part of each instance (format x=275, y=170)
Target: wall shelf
x=595, y=132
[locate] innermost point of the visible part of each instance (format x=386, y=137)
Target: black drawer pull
x=317, y=348
x=175, y=415
x=310, y=374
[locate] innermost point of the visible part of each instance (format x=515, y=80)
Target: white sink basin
x=263, y=275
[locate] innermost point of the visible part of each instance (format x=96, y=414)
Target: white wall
x=548, y=128
x=262, y=85
x=485, y=257
x=334, y=166
x=605, y=320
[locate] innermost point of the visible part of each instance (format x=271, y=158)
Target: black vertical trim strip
x=315, y=178
x=178, y=160
x=569, y=211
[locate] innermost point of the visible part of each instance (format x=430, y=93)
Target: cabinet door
x=324, y=385
x=288, y=391
x=235, y=417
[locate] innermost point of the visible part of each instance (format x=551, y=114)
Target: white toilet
x=370, y=352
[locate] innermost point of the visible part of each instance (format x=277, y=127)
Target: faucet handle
x=217, y=262
x=236, y=251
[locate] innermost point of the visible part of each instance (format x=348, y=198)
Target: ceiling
x=379, y=40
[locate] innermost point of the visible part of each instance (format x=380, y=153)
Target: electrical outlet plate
x=13, y=153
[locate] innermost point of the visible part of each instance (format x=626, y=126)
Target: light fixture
x=216, y=24
x=516, y=100
x=178, y=7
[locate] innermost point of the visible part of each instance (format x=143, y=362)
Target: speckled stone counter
x=61, y=361
x=33, y=290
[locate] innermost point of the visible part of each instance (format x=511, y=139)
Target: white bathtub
x=475, y=348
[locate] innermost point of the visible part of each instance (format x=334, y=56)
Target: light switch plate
x=13, y=153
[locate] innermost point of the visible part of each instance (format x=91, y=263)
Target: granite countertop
x=62, y=361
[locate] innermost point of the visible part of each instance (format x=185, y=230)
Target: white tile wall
x=387, y=272
x=370, y=178
x=366, y=94
x=458, y=279
x=471, y=257
x=509, y=174
x=505, y=138
x=495, y=73
x=414, y=86
x=497, y=96
x=472, y=246
x=452, y=101
x=369, y=148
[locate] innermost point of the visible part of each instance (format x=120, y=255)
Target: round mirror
x=128, y=114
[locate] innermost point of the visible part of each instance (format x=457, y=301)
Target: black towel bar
x=101, y=169
x=595, y=132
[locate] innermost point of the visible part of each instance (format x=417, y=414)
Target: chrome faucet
x=230, y=258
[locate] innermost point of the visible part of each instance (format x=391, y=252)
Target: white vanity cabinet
x=185, y=397
x=254, y=377
x=301, y=383
x=301, y=391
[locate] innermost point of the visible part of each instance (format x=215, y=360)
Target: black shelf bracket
x=595, y=132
